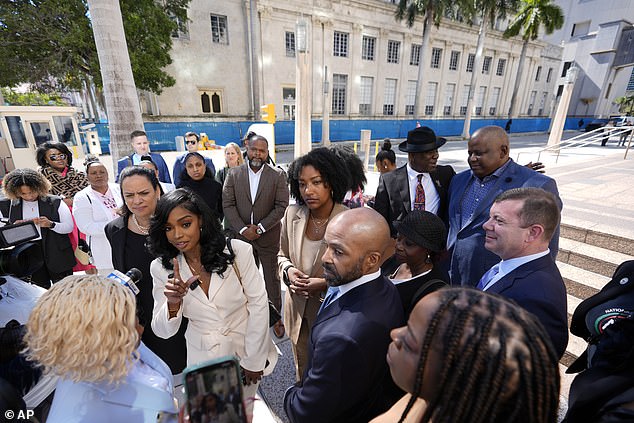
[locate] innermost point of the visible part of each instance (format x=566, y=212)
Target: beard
x=256, y=163
x=334, y=278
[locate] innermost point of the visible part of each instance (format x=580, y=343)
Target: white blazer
x=234, y=320
x=91, y=217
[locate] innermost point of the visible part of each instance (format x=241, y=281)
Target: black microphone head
x=134, y=274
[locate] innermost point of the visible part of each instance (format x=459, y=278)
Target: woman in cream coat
x=318, y=183
x=94, y=207
x=227, y=306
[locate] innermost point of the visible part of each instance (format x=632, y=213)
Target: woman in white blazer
x=219, y=290
x=95, y=206
x=106, y=374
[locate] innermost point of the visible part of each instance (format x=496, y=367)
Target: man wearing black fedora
x=419, y=185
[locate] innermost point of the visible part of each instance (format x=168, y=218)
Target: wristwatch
x=52, y=225
x=259, y=231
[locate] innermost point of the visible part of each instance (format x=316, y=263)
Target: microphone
x=129, y=279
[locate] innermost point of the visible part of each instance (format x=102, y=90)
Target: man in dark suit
x=191, y=144
x=141, y=147
x=420, y=178
x=347, y=377
x=254, y=198
x=521, y=224
x=471, y=194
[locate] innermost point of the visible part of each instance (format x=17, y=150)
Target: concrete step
x=589, y=257
x=598, y=239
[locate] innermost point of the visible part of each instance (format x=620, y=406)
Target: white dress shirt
x=432, y=200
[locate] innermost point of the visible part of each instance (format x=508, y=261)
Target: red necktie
x=419, y=200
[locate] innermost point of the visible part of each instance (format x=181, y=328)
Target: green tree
x=49, y=43
x=487, y=11
x=31, y=98
x=432, y=11
x=532, y=16
x=626, y=104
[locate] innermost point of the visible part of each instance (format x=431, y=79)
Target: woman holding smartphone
x=216, y=286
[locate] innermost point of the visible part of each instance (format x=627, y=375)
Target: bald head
x=488, y=150
x=356, y=240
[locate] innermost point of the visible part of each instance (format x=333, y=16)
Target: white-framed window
x=288, y=102
x=542, y=104
x=450, y=91
x=367, y=48
x=393, y=48
x=482, y=92
x=365, y=95
x=430, y=98
x=181, y=31
x=538, y=73
x=436, y=54
x=410, y=97
x=470, y=61
x=290, y=43
x=414, y=57
x=500, y=69
x=339, y=92
x=340, y=44
x=219, y=32
x=549, y=75
x=210, y=101
x=390, y=96
x=493, y=100
x=454, y=60
x=580, y=28
x=465, y=99
x=531, y=103
x=486, y=64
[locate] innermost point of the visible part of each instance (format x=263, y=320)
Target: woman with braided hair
x=469, y=356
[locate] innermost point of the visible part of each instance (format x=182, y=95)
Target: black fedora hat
x=420, y=140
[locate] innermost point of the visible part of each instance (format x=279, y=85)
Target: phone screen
x=214, y=393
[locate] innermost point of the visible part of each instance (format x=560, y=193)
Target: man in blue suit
x=471, y=195
x=141, y=147
x=522, y=221
x=347, y=377
x=191, y=144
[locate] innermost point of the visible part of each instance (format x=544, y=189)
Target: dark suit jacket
x=58, y=251
x=268, y=209
x=469, y=259
x=538, y=288
x=392, y=195
x=347, y=377
x=164, y=173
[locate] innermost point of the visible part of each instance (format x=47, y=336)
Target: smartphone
x=213, y=391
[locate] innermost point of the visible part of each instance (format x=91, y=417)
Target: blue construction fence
x=162, y=135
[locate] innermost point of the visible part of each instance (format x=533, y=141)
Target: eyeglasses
x=191, y=142
x=57, y=157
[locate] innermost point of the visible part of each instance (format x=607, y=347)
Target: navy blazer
x=469, y=259
x=179, y=167
x=538, y=288
x=347, y=377
x=164, y=173
x=392, y=194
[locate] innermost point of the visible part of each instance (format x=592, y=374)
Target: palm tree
x=122, y=103
x=533, y=15
x=626, y=104
x=489, y=11
x=432, y=10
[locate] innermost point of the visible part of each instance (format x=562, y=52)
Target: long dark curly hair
x=212, y=239
x=332, y=168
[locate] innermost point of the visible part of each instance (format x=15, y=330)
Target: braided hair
x=498, y=364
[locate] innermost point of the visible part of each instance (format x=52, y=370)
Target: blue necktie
x=331, y=295
x=488, y=277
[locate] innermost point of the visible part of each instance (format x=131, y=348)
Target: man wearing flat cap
x=419, y=185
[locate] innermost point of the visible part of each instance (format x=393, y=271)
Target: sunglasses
x=191, y=142
x=57, y=157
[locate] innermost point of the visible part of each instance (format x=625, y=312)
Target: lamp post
x=303, y=90
x=562, y=109
x=325, y=120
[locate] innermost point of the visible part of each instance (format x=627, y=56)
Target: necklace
x=145, y=230
x=318, y=223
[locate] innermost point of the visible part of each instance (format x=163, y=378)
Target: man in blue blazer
x=521, y=224
x=471, y=194
x=347, y=377
x=191, y=144
x=141, y=147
